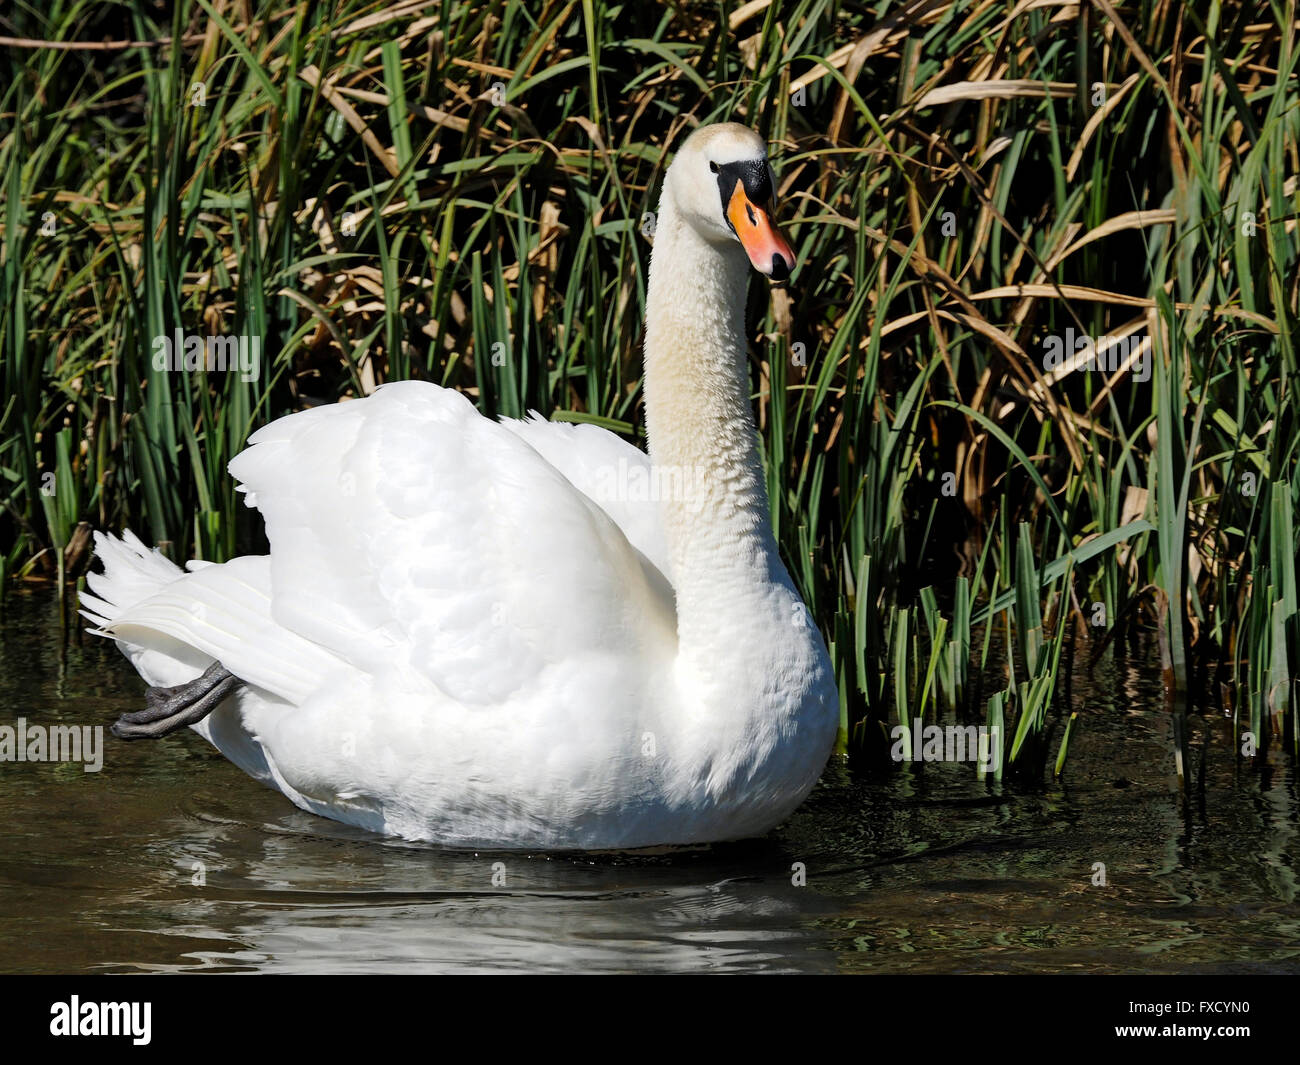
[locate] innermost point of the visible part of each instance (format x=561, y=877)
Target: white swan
x=515, y=634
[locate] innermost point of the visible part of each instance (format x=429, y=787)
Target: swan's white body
x=514, y=634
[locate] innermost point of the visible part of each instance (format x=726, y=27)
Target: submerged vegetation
x=1033, y=387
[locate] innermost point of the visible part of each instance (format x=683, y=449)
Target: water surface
x=927, y=871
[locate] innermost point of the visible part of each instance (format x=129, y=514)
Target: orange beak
x=769, y=252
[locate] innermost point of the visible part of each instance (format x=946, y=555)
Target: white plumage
x=484, y=634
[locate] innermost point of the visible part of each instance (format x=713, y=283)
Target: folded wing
x=410, y=534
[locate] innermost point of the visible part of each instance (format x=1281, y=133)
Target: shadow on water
x=171, y=859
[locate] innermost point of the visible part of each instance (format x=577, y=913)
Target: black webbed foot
x=169, y=709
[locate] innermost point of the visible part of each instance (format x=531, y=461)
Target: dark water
x=914, y=873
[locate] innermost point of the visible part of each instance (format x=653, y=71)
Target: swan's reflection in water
x=295, y=895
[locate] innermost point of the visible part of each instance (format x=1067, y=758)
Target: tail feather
x=132, y=573
x=172, y=625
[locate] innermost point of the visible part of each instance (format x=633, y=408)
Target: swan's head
x=722, y=185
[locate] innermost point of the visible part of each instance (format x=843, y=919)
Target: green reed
x=459, y=192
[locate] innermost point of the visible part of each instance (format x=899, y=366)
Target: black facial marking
x=754, y=177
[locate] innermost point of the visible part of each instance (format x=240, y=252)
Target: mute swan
x=515, y=634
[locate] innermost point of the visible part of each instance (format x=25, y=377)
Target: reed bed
x=462, y=193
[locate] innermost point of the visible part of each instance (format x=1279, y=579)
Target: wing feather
x=609, y=471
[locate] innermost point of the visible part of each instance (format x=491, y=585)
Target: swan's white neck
x=757, y=698
x=702, y=437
